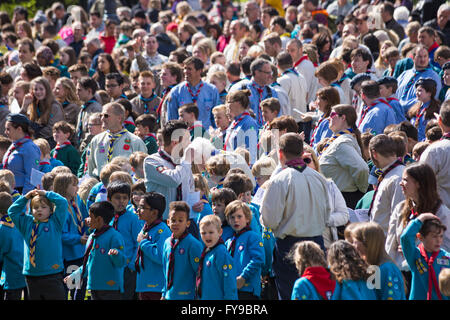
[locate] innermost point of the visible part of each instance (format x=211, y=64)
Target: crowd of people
x=212, y=150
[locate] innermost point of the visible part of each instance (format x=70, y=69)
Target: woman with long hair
x=324, y=44
x=419, y=187
x=43, y=109
x=66, y=94
x=341, y=156
x=105, y=65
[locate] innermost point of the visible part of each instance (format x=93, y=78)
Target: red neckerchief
x=305, y=57
x=59, y=147
x=433, y=46
x=432, y=280
x=260, y=91
x=392, y=99
x=382, y=100
x=420, y=114
x=139, y=261
x=195, y=126
x=14, y=146
x=198, y=278
x=397, y=163
x=315, y=129
x=117, y=215
x=321, y=280
x=446, y=136
x=233, y=125
x=166, y=92
x=194, y=96
x=150, y=135
x=44, y=163
x=373, y=104
x=128, y=122
x=171, y=270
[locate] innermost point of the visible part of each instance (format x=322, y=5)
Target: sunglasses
x=333, y=114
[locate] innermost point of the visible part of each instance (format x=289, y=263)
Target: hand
x=27, y=99
x=140, y=237
x=84, y=238
x=88, y=222
x=427, y=216
x=198, y=207
x=113, y=252
x=240, y=281
x=302, y=135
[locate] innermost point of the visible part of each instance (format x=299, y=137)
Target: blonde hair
x=213, y=220
x=85, y=187
x=121, y=176
x=218, y=165
x=348, y=235
x=201, y=183
x=137, y=158
x=219, y=108
x=444, y=281
x=8, y=176
x=236, y=205
x=5, y=186
x=61, y=170
x=315, y=159
x=107, y=171
x=307, y=254
x=244, y=153
x=216, y=55
x=62, y=182
x=123, y=162
x=219, y=75
x=43, y=145
x=264, y=166
x=70, y=90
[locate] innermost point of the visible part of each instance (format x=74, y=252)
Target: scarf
x=146, y=102
x=112, y=139
x=173, y=246
x=80, y=120
x=432, y=280
x=139, y=258
x=321, y=280
x=14, y=146
x=59, y=147
x=33, y=238
x=234, y=125
x=334, y=137
x=97, y=233
x=80, y=222
x=165, y=93
x=198, y=278
x=194, y=96
x=236, y=235
x=117, y=215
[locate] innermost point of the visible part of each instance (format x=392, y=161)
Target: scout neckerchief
x=321, y=280
x=33, y=238
x=112, y=139
x=198, y=278
x=355, y=100
x=165, y=93
x=223, y=93
x=173, y=245
x=14, y=146
x=432, y=280
x=150, y=135
x=80, y=122
x=334, y=137
x=6, y=221
x=123, y=96
x=397, y=163
x=117, y=215
x=368, y=108
x=389, y=99
x=147, y=101
x=43, y=163
x=97, y=233
x=129, y=121
x=420, y=113
x=194, y=96
x=236, y=235
x=313, y=137
x=305, y=57
x=411, y=82
x=59, y=147
x=260, y=97
x=73, y=207
x=179, y=188
x=139, y=257
x=446, y=136
x=195, y=125
x=290, y=70
x=297, y=164
x=235, y=122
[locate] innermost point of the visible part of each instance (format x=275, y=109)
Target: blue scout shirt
x=392, y=286
x=104, y=271
x=353, y=290
x=207, y=99
x=321, y=132
x=243, y=132
x=417, y=264
x=11, y=255
x=218, y=275
x=248, y=260
x=151, y=277
x=422, y=121
x=304, y=290
x=377, y=117
x=20, y=161
x=406, y=91
x=187, y=257
x=48, y=252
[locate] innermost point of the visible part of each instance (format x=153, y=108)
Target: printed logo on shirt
x=443, y=261
x=181, y=251
x=160, y=169
x=241, y=247
x=102, y=250
x=208, y=263
x=126, y=147
x=111, y=283
x=55, y=266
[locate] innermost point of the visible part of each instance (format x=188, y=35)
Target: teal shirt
x=392, y=285
x=304, y=290
x=151, y=144
x=48, y=252
x=70, y=157
x=353, y=290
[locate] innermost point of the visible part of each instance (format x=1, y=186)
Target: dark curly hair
x=346, y=263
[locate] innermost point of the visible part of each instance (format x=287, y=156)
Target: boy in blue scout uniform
x=104, y=258
x=42, y=231
x=127, y=223
x=181, y=255
x=247, y=250
x=427, y=259
x=216, y=279
x=11, y=253
x=148, y=263
x=220, y=198
x=388, y=87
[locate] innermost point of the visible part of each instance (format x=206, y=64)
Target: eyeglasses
x=333, y=114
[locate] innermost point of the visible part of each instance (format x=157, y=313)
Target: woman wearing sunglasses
x=341, y=155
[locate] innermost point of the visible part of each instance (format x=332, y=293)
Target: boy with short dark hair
x=247, y=250
x=146, y=130
x=11, y=253
x=388, y=87
x=189, y=113
x=104, y=258
x=148, y=263
x=428, y=258
x=64, y=150
x=220, y=198
x=127, y=223
x=181, y=255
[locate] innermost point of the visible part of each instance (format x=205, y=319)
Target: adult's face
x=425, y=39
x=13, y=133
x=191, y=74
x=166, y=78
x=294, y=51
x=110, y=120
x=151, y=45
x=421, y=59
x=263, y=76
x=25, y=55
x=113, y=89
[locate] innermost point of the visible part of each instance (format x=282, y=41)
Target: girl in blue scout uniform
x=75, y=230
x=216, y=279
x=128, y=225
x=11, y=253
x=181, y=255
x=220, y=198
x=42, y=232
x=350, y=272
x=369, y=239
x=201, y=185
x=425, y=107
x=247, y=249
x=104, y=257
x=428, y=258
x=148, y=263
x=315, y=282
x=22, y=155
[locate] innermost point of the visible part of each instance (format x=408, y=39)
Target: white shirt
x=306, y=69
x=296, y=88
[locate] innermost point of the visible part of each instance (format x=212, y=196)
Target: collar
x=390, y=164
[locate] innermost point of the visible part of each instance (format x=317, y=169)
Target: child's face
x=210, y=235
x=59, y=91
x=221, y=60
x=136, y=197
x=145, y=212
x=186, y=117
x=41, y=211
x=141, y=131
x=146, y=85
x=359, y=246
x=95, y=222
x=432, y=242
x=385, y=91
x=72, y=190
x=60, y=137
x=120, y=201
x=178, y=223
x=221, y=120
x=18, y=93
x=218, y=208
x=268, y=115
x=238, y=221
x=246, y=196
x=220, y=85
